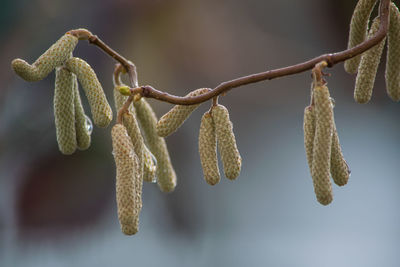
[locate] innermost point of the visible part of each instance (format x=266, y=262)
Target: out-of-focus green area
x=58, y=210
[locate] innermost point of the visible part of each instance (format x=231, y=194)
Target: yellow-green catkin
x=392, y=73
x=133, y=130
x=208, y=150
x=166, y=177
x=228, y=150
x=368, y=67
x=83, y=124
x=174, y=118
x=53, y=57
x=320, y=171
x=149, y=166
x=309, y=133
x=127, y=166
x=358, y=31
x=64, y=111
x=101, y=110
x=339, y=169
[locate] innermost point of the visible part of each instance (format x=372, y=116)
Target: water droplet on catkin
x=89, y=125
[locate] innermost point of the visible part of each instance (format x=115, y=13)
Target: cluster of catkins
x=73, y=127
x=366, y=64
x=321, y=141
x=134, y=161
x=139, y=148
x=323, y=151
x=215, y=127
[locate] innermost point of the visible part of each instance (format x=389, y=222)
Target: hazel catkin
x=101, y=110
x=166, y=177
x=53, y=57
x=132, y=128
x=228, y=150
x=339, y=169
x=64, y=111
x=83, y=125
x=127, y=165
x=368, y=67
x=392, y=73
x=358, y=31
x=208, y=150
x=320, y=171
x=174, y=118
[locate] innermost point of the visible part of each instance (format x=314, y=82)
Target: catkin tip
x=129, y=229
x=326, y=200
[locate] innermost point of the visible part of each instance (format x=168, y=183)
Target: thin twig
x=124, y=109
x=331, y=59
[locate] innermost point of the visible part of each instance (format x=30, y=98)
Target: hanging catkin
x=358, y=30
x=230, y=156
x=53, y=57
x=321, y=159
x=309, y=133
x=64, y=111
x=133, y=131
x=127, y=165
x=339, y=169
x=174, y=118
x=82, y=126
x=392, y=73
x=101, y=110
x=166, y=177
x=208, y=150
x=368, y=67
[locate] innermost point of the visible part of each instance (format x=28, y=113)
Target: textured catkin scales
x=358, y=30
x=82, y=132
x=392, y=73
x=228, y=150
x=320, y=171
x=133, y=131
x=127, y=165
x=174, y=118
x=309, y=133
x=53, y=57
x=339, y=169
x=368, y=67
x=132, y=127
x=101, y=110
x=208, y=150
x=166, y=177
x=64, y=111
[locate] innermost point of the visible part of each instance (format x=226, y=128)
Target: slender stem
x=124, y=109
x=331, y=60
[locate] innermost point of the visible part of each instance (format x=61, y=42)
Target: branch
x=331, y=59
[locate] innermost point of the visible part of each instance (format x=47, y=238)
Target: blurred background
x=58, y=210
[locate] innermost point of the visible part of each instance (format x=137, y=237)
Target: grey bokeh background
x=60, y=210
